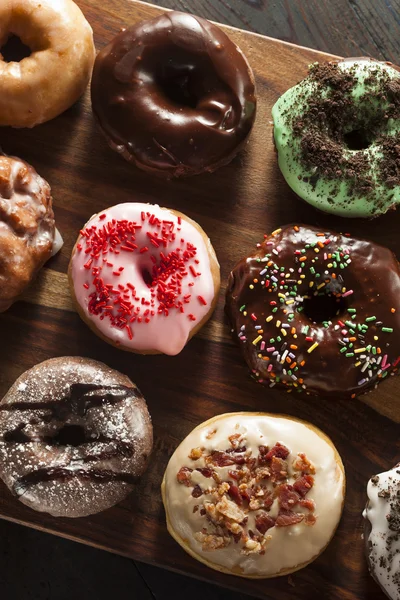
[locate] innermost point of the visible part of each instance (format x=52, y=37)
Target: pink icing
x=142, y=275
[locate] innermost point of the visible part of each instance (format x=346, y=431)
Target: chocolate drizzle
x=174, y=95
x=65, y=474
x=81, y=398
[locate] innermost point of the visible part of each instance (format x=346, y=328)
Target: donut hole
x=357, y=139
x=177, y=82
x=324, y=307
x=147, y=276
x=14, y=50
x=70, y=435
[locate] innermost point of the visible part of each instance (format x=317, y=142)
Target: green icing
x=338, y=195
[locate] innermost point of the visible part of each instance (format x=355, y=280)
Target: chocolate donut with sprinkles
x=144, y=278
x=317, y=312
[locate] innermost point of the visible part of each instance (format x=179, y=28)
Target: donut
x=144, y=278
x=337, y=137
x=317, y=312
x=56, y=69
x=254, y=494
x=174, y=95
x=75, y=436
x=382, y=530
x=28, y=236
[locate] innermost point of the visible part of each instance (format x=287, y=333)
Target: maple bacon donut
x=75, y=436
x=317, y=311
x=55, y=74
x=174, y=95
x=144, y=278
x=254, y=494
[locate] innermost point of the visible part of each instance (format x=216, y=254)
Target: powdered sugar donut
x=75, y=436
x=254, y=494
x=144, y=278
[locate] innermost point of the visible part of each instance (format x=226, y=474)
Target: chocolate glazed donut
x=75, y=436
x=174, y=95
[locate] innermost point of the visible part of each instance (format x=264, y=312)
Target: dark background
x=35, y=565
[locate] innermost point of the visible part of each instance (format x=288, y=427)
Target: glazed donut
x=75, y=436
x=144, y=278
x=337, y=135
x=317, y=311
x=254, y=494
x=28, y=237
x=48, y=81
x=174, y=95
x=382, y=530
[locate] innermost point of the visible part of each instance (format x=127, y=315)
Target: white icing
x=288, y=547
x=382, y=540
x=57, y=243
x=167, y=334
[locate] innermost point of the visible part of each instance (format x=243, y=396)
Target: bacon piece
x=310, y=519
x=288, y=517
x=262, y=453
x=221, y=459
x=279, y=450
x=268, y=500
x=264, y=522
x=246, y=494
x=234, y=493
x=303, y=484
x=307, y=503
x=301, y=463
x=234, y=439
x=184, y=475
x=288, y=497
x=278, y=468
x=206, y=472
x=197, y=491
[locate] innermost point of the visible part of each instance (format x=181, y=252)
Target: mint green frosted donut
x=337, y=133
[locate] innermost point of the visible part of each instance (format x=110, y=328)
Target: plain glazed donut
x=382, y=530
x=144, y=278
x=46, y=83
x=254, y=494
x=174, y=95
x=75, y=436
x=28, y=236
x=337, y=135
x=317, y=311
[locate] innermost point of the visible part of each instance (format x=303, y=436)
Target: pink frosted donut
x=144, y=278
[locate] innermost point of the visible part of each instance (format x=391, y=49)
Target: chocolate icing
x=74, y=437
x=275, y=350
x=174, y=95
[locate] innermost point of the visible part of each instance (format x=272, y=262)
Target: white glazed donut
x=144, y=278
x=382, y=530
x=253, y=494
x=46, y=83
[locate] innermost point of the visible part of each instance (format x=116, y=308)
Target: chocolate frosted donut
x=28, y=237
x=317, y=311
x=174, y=95
x=75, y=436
x=382, y=530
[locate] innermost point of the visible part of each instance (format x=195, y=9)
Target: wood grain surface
x=236, y=205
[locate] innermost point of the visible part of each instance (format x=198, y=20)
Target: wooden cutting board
x=235, y=206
